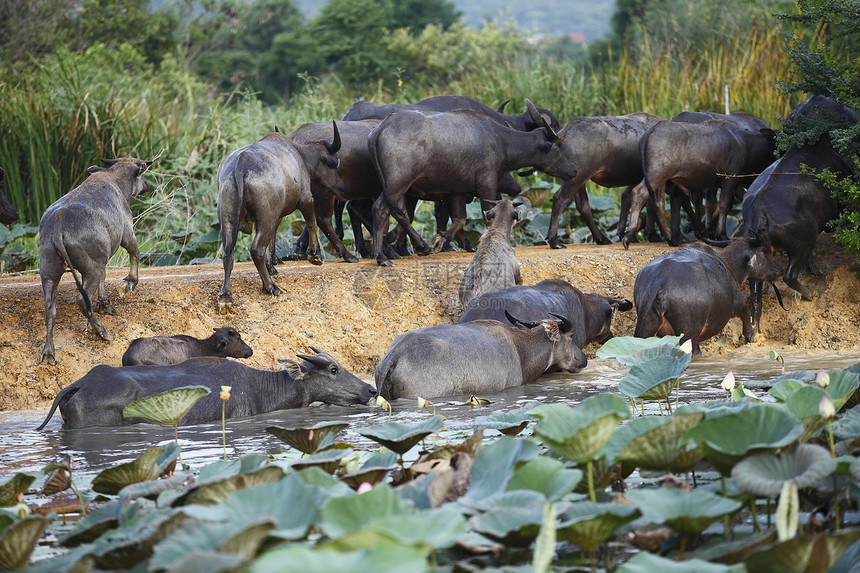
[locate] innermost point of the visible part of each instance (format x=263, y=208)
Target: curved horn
x=526, y=172
x=109, y=162
x=317, y=350
x=277, y=130
x=566, y=325
x=334, y=146
x=540, y=120
x=501, y=108
x=516, y=321
x=716, y=243
x=318, y=361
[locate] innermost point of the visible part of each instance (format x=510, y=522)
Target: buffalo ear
x=552, y=329
x=489, y=215
x=622, y=305
x=293, y=368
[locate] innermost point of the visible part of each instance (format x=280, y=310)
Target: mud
x=354, y=311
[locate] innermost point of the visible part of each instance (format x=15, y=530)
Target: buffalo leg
x=584, y=209
x=626, y=198
x=727, y=193
x=263, y=236
x=91, y=283
x=755, y=305
x=381, y=212
x=560, y=202
x=796, y=262
x=360, y=216
x=130, y=245
x=457, y=212
x=307, y=209
x=638, y=198
x=50, y=271
x=323, y=211
x=104, y=306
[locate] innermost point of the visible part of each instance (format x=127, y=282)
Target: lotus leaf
x=125, y=547
x=221, y=469
x=730, y=552
x=854, y=469
x=842, y=387
x=307, y=440
x=143, y=468
x=730, y=433
x=216, y=491
x=806, y=554
x=621, y=347
x=494, y=465
x=512, y=518
x=95, y=523
x=167, y=461
x=327, y=460
x=854, y=400
x=386, y=556
x=579, y=433
x=18, y=540
x=603, y=474
x=289, y=503
x=848, y=560
x=344, y=515
x=399, y=437
x=153, y=488
x=765, y=474
x=686, y=513
x=590, y=524
x=166, y=408
x=371, y=475
x=547, y=476
x=508, y=423
x=803, y=403
x=785, y=388
x=430, y=530
x=76, y=561
x=651, y=442
x=645, y=562
x=197, y=561
x=227, y=537
x=11, y=488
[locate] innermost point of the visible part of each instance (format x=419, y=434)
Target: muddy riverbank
x=354, y=311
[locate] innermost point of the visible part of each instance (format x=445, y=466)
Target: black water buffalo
x=264, y=182
x=590, y=314
x=694, y=291
x=523, y=122
x=8, y=213
x=457, y=153
x=494, y=265
x=696, y=156
x=787, y=205
x=99, y=398
x=224, y=342
x=475, y=358
x=604, y=149
x=82, y=230
x=355, y=170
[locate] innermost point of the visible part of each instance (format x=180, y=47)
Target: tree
x=418, y=14
x=830, y=66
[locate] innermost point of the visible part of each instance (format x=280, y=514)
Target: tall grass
x=73, y=109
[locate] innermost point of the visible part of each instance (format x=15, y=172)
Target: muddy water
x=24, y=450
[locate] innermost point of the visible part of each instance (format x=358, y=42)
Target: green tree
x=418, y=14
x=31, y=28
x=830, y=66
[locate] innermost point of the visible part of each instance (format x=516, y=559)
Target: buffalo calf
x=82, y=230
x=494, y=265
x=99, y=398
x=694, y=291
x=224, y=342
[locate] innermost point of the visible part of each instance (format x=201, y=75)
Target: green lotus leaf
x=690, y=456
x=508, y=423
x=431, y=530
x=732, y=432
x=847, y=427
x=645, y=562
x=399, y=437
x=268, y=502
x=18, y=540
x=197, y=561
x=512, y=518
x=589, y=524
x=803, y=403
x=686, y=513
x=327, y=460
x=220, y=469
x=143, y=468
x=387, y=556
x=547, y=476
x=730, y=552
x=242, y=538
x=95, y=523
x=307, y=440
x=620, y=347
x=166, y=408
x=153, y=488
x=848, y=560
x=344, y=515
x=854, y=469
x=603, y=474
x=217, y=491
x=494, y=465
x=654, y=378
x=785, y=388
x=765, y=474
x=579, y=433
x=842, y=387
x=125, y=547
x=167, y=461
x=651, y=442
x=372, y=476
x=801, y=554
x=74, y=561
x=14, y=486
x=854, y=400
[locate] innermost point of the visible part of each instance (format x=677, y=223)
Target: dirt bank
x=354, y=311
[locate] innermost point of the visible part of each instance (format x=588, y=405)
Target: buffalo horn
x=516, y=321
x=526, y=172
x=318, y=361
x=716, y=243
x=566, y=325
x=334, y=146
x=109, y=162
x=317, y=350
x=778, y=296
x=501, y=108
x=277, y=130
x=551, y=135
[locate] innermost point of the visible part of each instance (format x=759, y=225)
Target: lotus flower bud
x=687, y=347
x=365, y=487
x=826, y=408
x=383, y=403
x=822, y=378
x=728, y=383
x=225, y=392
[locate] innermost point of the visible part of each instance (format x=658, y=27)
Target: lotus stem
x=669, y=405
x=756, y=524
x=677, y=393
x=176, y=439
x=633, y=400
x=642, y=405
x=80, y=499
x=224, y=427
x=835, y=479
x=660, y=404
x=726, y=516
x=590, y=468
x=769, y=523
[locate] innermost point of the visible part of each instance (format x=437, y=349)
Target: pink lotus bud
x=822, y=378
x=687, y=347
x=728, y=383
x=826, y=408
x=365, y=487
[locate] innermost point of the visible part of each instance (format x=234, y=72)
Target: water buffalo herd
x=378, y=161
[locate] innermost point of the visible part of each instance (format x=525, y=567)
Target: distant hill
x=551, y=17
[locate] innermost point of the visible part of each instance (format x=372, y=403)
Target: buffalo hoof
x=48, y=354
x=383, y=261
x=673, y=242
x=365, y=254
x=437, y=245
x=470, y=248
x=104, y=307
x=391, y=253
x=602, y=240
x=272, y=270
x=350, y=258
x=103, y=334
x=225, y=307
x=653, y=237
x=129, y=286
x=555, y=243
x=625, y=240
x=273, y=290
x=315, y=259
